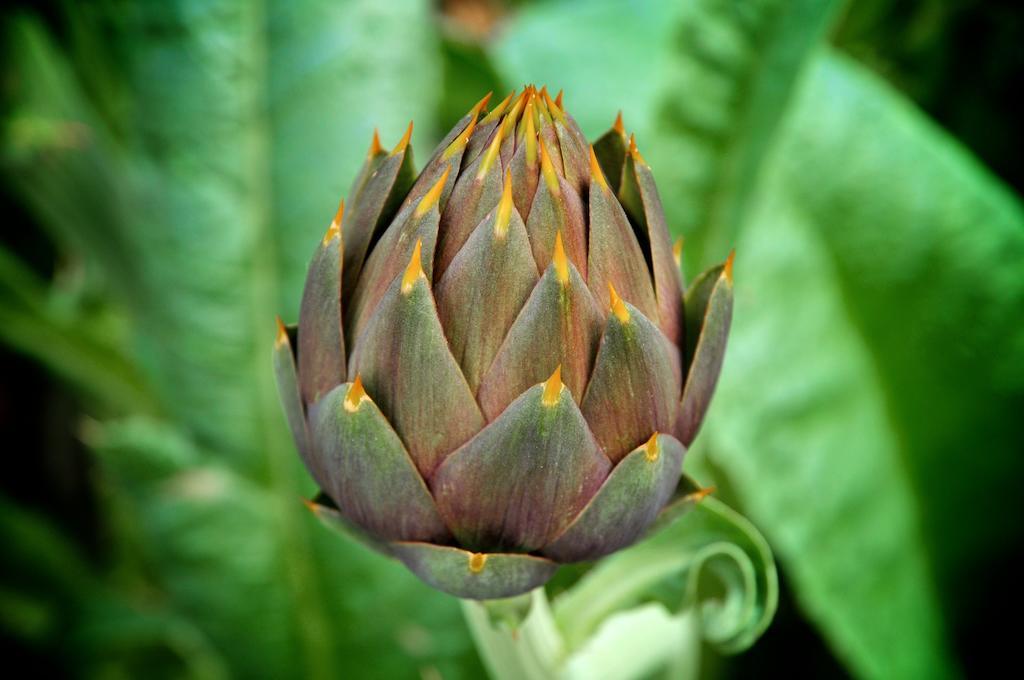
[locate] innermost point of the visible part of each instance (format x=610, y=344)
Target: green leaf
x=337, y=70
x=703, y=83
x=565, y=45
x=171, y=222
x=874, y=376
x=468, y=75
x=245, y=132
x=242, y=124
x=82, y=346
x=223, y=552
x=52, y=597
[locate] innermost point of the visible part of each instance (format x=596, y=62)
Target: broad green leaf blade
x=175, y=222
x=178, y=218
x=52, y=598
x=732, y=71
x=710, y=543
x=566, y=46
x=336, y=71
x=216, y=548
x=201, y=223
x=874, y=372
x=703, y=83
x=81, y=347
x=59, y=158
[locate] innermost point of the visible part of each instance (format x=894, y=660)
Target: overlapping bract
x=496, y=369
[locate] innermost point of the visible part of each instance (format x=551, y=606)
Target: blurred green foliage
x=177, y=161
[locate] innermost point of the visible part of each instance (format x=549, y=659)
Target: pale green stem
x=632, y=644
x=531, y=651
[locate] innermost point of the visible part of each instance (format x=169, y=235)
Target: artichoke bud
x=496, y=368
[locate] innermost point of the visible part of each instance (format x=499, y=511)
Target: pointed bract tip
x=677, y=251
x=652, y=449
x=477, y=562
x=541, y=108
x=618, y=306
x=479, y=106
x=461, y=140
x=415, y=269
x=552, y=106
x=530, y=103
x=552, y=388
x=504, y=215
x=558, y=100
x=334, y=228
x=433, y=195
x=727, y=269
x=492, y=153
x=700, y=494
x=595, y=170
x=494, y=113
x=547, y=169
x=356, y=395
x=635, y=152
x=281, y=338
x=508, y=125
x=530, y=133
x=375, y=145
x=618, y=126
x=403, y=142
x=559, y=260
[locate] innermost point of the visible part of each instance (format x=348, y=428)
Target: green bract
x=495, y=369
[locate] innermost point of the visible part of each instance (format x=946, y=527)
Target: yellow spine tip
x=461, y=140
x=375, y=145
x=403, y=142
x=479, y=106
x=553, y=388
x=547, y=169
x=433, y=195
x=311, y=506
x=527, y=116
x=635, y=152
x=552, y=106
x=509, y=124
x=727, y=269
x=558, y=100
x=477, y=562
x=415, y=269
x=595, y=170
x=619, y=308
x=281, y=338
x=618, y=125
x=677, y=251
x=559, y=260
x=496, y=112
x=356, y=395
x=491, y=155
x=700, y=494
x=531, y=136
x=504, y=215
x=334, y=229
x=652, y=449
